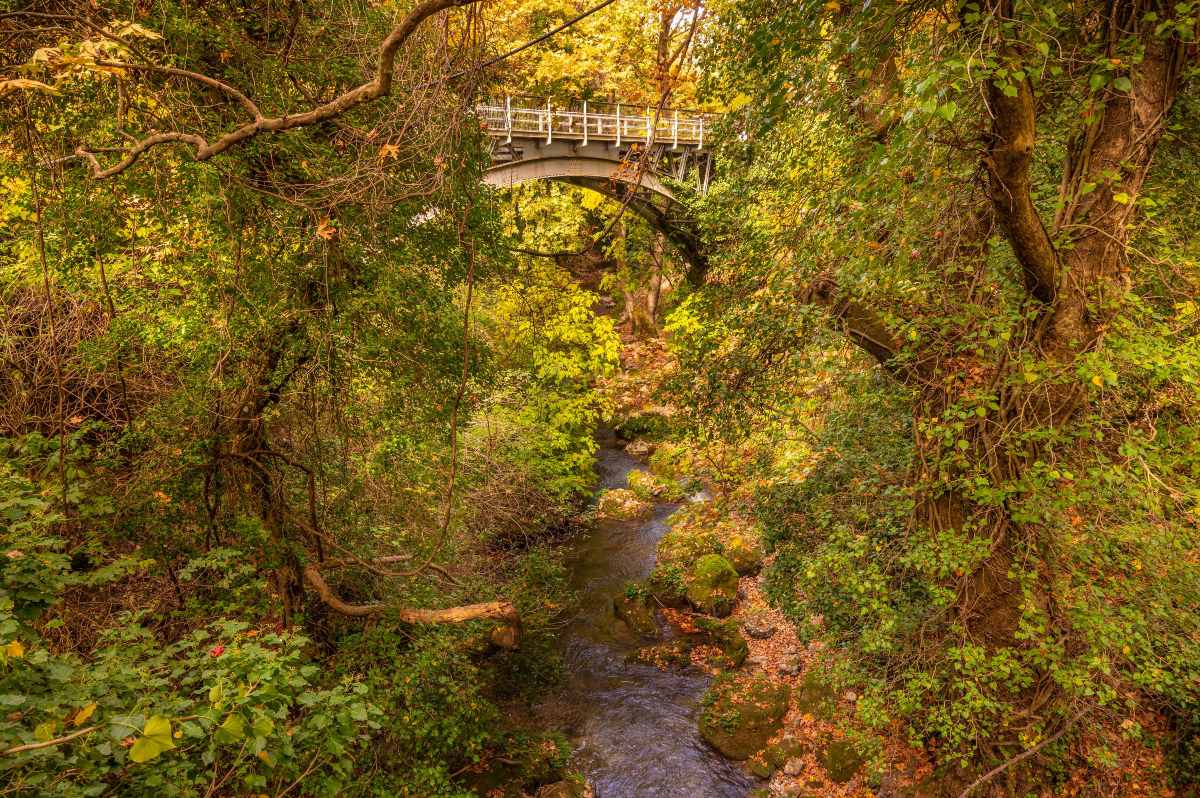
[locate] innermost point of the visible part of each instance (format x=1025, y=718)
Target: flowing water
x=634, y=726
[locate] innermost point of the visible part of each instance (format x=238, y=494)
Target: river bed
x=633, y=725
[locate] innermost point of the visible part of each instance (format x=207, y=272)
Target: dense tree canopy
x=296, y=414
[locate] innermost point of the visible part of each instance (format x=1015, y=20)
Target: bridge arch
x=605, y=152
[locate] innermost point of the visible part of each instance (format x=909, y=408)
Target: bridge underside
x=612, y=171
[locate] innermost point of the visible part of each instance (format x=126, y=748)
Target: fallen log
x=507, y=635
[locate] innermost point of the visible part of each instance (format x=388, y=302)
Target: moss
x=712, y=585
x=644, y=485
x=760, y=766
x=635, y=611
x=622, y=505
x=668, y=585
x=816, y=697
x=684, y=543
x=726, y=636
x=784, y=750
x=744, y=553
x=841, y=760
x=741, y=714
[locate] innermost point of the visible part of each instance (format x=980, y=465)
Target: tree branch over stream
x=379, y=86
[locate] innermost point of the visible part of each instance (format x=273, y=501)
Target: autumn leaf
x=326, y=230
x=82, y=715
x=389, y=151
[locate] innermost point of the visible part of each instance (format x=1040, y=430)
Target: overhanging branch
x=860, y=323
x=507, y=636
x=378, y=87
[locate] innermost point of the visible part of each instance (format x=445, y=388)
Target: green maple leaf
x=156, y=738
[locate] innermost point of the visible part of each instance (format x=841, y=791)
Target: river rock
x=567, y=788
x=634, y=609
x=684, y=544
x=743, y=552
x=641, y=449
x=742, y=713
x=759, y=628
x=841, y=760
x=668, y=585
x=725, y=636
x=776, y=756
x=712, y=585
x=644, y=484
x=621, y=504
x=815, y=696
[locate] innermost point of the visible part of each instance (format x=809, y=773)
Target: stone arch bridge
x=622, y=151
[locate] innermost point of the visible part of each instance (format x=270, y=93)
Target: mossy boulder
x=633, y=607
x=742, y=713
x=726, y=636
x=685, y=542
x=622, y=505
x=668, y=585
x=815, y=696
x=744, y=553
x=712, y=585
x=640, y=449
x=644, y=484
x=775, y=756
x=682, y=545
x=841, y=760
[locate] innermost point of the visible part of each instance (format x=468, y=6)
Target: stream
x=633, y=725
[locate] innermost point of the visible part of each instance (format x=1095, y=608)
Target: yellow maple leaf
x=82, y=715
x=15, y=649
x=389, y=151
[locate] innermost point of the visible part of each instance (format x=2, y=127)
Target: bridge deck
x=620, y=124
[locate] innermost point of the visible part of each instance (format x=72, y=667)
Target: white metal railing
x=622, y=124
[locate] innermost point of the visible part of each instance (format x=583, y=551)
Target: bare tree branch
x=502, y=611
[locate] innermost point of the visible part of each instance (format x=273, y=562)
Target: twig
x=17, y=749
x=1024, y=754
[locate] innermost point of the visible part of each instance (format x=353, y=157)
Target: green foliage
x=551, y=348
